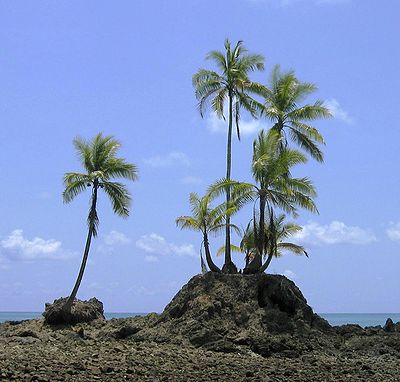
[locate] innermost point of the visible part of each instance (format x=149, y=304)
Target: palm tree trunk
x=210, y=263
x=266, y=264
x=229, y=267
x=256, y=263
x=78, y=281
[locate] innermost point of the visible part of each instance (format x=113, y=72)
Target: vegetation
x=98, y=158
x=281, y=106
x=207, y=220
x=231, y=85
x=275, y=191
x=274, y=187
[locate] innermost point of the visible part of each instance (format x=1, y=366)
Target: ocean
x=362, y=319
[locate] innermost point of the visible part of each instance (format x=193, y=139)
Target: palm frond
x=119, y=197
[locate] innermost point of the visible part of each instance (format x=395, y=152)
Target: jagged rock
x=389, y=326
x=81, y=311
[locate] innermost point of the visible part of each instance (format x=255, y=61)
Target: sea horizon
x=335, y=319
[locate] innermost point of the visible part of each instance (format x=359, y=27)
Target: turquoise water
x=362, y=319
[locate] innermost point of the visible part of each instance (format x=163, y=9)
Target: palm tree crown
x=232, y=83
x=98, y=158
x=207, y=220
x=282, y=106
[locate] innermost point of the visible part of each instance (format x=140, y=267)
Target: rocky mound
x=81, y=311
x=231, y=312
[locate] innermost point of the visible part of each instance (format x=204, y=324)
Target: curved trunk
x=229, y=267
x=266, y=264
x=78, y=281
x=210, y=263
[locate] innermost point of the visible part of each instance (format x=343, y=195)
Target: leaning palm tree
x=207, y=220
x=231, y=85
x=274, y=187
x=98, y=158
x=282, y=105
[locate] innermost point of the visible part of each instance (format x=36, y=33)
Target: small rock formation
x=81, y=311
x=225, y=312
x=389, y=326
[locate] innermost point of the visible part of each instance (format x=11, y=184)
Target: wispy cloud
x=393, y=231
x=335, y=232
x=192, y=180
x=156, y=245
x=247, y=127
x=116, y=238
x=171, y=159
x=112, y=240
x=337, y=111
x=17, y=247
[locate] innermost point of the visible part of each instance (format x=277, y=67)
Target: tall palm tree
x=98, y=158
x=274, y=187
x=231, y=85
x=282, y=105
x=206, y=220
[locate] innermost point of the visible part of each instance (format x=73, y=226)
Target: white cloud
x=155, y=244
x=335, y=232
x=338, y=112
x=247, y=127
x=393, y=231
x=16, y=247
x=168, y=160
x=116, y=238
x=192, y=180
x=112, y=240
x=290, y=274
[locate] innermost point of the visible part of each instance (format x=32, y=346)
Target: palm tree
x=98, y=158
x=206, y=220
x=231, y=85
x=282, y=99
x=276, y=231
x=275, y=187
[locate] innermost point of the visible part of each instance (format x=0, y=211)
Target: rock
x=389, y=326
x=349, y=330
x=221, y=312
x=81, y=311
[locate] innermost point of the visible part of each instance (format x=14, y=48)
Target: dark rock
x=126, y=331
x=389, y=326
x=349, y=330
x=81, y=311
x=222, y=312
x=27, y=333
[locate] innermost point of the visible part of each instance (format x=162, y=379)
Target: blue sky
x=124, y=68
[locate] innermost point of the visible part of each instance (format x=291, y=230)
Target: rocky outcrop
x=230, y=313
x=81, y=311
